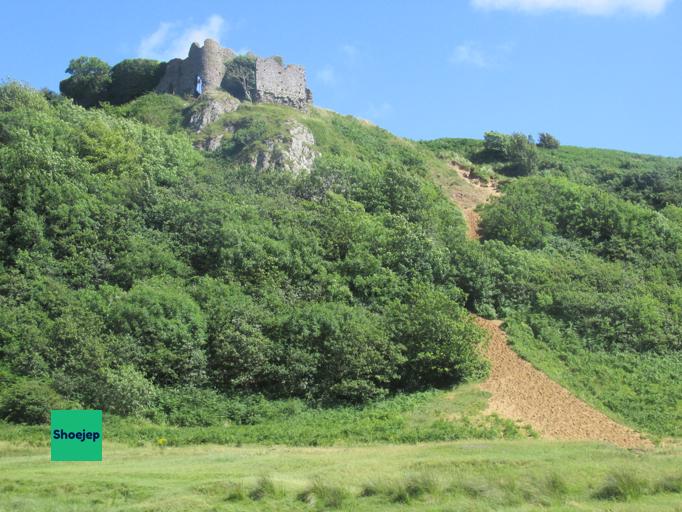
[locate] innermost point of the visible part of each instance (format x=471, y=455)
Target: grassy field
x=463, y=475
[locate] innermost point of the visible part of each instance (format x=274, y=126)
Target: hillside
x=138, y=262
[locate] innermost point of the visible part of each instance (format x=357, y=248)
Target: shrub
x=89, y=81
x=496, y=143
x=125, y=391
x=522, y=153
x=240, y=77
x=548, y=141
x=193, y=407
x=30, y=402
x=131, y=78
x=483, y=173
x=516, y=149
x=164, y=319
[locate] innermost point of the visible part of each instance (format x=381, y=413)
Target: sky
x=594, y=73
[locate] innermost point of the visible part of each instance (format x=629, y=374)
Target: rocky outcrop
x=293, y=151
x=205, y=69
x=210, y=107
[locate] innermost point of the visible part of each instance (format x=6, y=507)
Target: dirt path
x=468, y=196
x=519, y=391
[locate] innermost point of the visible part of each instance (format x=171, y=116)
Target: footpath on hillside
x=518, y=390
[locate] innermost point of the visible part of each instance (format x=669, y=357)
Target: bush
x=522, y=154
x=517, y=149
x=164, y=319
x=192, y=407
x=496, y=143
x=240, y=77
x=125, y=391
x=89, y=81
x=548, y=141
x=131, y=78
x=30, y=402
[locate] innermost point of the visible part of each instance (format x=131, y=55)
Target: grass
x=464, y=475
x=324, y=496
x=418, y=417
x=622, y=486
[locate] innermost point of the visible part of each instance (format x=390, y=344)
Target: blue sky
x=599, y=73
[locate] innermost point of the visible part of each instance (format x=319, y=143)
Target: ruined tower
x=204, y=70
x=201, y=71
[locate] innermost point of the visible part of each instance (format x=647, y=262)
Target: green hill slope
x=582, y=258
x=177, y=286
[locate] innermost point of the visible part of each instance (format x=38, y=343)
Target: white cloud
x=591, y=7
x=171, y=40
x=378, y=111
x=326, y=75
x=469, y=53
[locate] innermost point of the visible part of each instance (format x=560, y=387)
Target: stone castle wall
x=275, y=83
x=206, y=63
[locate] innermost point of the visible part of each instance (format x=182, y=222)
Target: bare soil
x=522, y=393
x=468, y=196
x=518, y=390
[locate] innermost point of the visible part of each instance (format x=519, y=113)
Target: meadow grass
x=414, y=418
x=463, y=475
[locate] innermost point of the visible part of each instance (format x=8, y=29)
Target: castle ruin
x=206, y=69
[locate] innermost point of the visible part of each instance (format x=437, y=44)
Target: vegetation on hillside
x=585, y=267
x=140, y=275
x=136, y=269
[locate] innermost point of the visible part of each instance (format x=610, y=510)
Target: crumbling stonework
x=276, y=83
x=204, y=70
x=201, y=71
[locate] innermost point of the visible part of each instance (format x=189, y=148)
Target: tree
x=131, y=78
x=496, y=143
x=522, y=153
x=548, y=141
x=89, y=81
x=163, y=319
x=240, y=77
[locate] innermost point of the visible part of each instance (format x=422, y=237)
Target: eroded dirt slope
x=519, y=391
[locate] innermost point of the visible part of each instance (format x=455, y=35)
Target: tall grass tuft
x=235, y=491
x=622, y=486
x=554, y=485
x=671, y=483
x=323, y=495
x=264, y=487
x=402, y=491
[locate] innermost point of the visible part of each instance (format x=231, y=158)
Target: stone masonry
x=204, y=70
